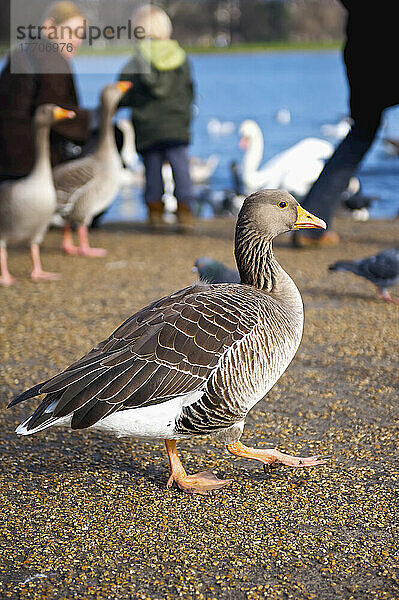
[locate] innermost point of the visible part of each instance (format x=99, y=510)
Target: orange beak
x=124, y=86
x=305, y=220
x=61, y=113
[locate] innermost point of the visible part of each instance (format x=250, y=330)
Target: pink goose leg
x=67, y=243
x=5, y=277
x=274, y=456
x=37, y=273
x=200, y=483
x=84, y=247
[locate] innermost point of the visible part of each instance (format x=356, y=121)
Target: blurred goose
x=87, y=186
x=27, y=204
x=382, y=269
x=294, y=169
x=194, y=362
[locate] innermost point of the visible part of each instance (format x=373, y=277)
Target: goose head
x=272, y=212
x=112, y=94
x=263, y=216
x=48, y=114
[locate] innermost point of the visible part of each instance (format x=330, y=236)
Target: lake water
x=234, y=87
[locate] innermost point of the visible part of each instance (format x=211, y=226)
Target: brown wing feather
x=167, y=349
x=71, y=180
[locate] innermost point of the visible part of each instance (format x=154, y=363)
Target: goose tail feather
x=42, y=418
x=30, y=393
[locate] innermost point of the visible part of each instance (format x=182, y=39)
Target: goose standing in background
x=294, y=169
x=194, y=362
x=28, y=204
x=87, y=186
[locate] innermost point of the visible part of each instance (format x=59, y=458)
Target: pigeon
x=382, y=269
x=213, y=271
x=359, y=201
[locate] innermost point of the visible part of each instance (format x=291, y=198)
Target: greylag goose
x=28, y=204
x=194, y=362
x=86, y=186
x=382, y=269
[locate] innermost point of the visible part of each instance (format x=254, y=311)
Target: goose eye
x=282, y=204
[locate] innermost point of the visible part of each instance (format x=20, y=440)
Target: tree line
x=224, y=22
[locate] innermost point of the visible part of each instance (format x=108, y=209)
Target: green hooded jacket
x=161, y=95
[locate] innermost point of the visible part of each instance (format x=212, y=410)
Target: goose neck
x=42, y=164
x=255, y=259
x=106, y=141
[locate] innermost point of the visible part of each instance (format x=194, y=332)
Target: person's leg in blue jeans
x=177, y=156
x=324, y=196
x=154, y=189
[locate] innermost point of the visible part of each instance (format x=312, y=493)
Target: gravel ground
x=89, y=516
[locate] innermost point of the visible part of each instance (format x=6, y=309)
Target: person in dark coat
x=30, y=78
x=369, y=52
x=161, y=100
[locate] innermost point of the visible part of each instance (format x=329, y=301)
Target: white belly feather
x=153, y=422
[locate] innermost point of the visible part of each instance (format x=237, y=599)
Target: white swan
x=128, y=151
x=294, y=169
x=201, y=169
x=133, y=169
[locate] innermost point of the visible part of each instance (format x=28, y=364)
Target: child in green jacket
x=161, y=99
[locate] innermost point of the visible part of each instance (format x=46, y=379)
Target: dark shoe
x=155, y=214
x=184, y=216
x=326, y=240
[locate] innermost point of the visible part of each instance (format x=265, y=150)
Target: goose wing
x=73, y=180
x=167, y=349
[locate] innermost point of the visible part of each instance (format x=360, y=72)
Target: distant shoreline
x=265, y=47
x=283, y=46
